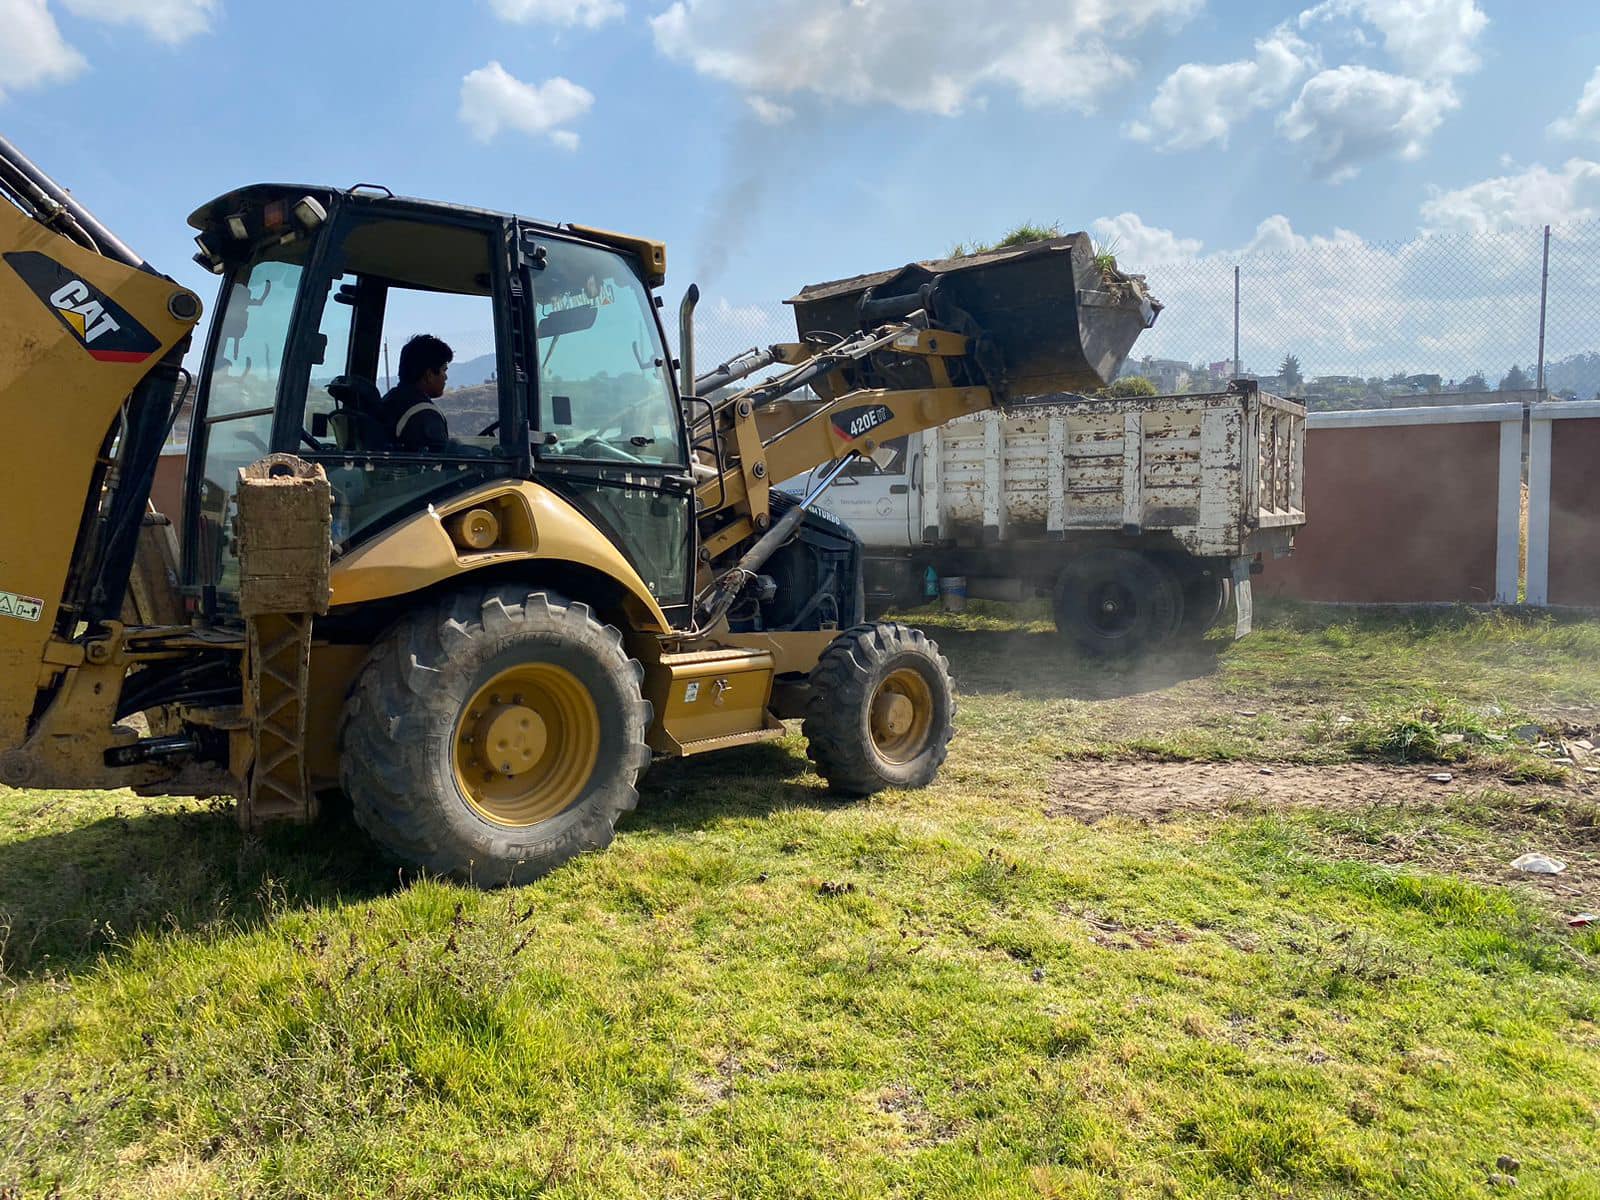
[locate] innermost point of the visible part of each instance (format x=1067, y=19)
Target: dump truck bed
x=1220, y=472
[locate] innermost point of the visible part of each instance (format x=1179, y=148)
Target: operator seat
x=354, y=422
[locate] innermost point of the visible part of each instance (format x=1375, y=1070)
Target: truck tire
x=1205, y=598
x=881, y=710
x=530, y=677
x=1118, y=604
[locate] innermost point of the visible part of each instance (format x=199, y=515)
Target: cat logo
x=87, y=316
x=101, y=325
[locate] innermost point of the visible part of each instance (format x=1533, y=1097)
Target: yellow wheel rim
x=902, y=715
x=526, y=744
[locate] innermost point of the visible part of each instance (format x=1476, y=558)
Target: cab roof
x=212, y=215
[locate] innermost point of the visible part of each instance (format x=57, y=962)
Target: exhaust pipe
x=686, y=341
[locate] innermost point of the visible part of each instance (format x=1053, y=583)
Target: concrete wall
x=1407, y=506
x=1564, y=504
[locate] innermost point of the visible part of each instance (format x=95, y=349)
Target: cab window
x=605, y=393
x=389, y=280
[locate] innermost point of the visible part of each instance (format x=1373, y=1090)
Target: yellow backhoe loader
x=480, y=644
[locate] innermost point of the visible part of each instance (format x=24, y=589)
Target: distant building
x=1170, y=375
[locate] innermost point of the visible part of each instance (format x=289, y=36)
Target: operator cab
x=560, y=371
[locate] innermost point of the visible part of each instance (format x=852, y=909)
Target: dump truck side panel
x=1208, y=470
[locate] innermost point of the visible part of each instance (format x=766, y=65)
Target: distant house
x=1170, y=375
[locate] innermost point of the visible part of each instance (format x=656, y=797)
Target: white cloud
x=1537, y=196
x=33, y=52
x=1440, y=303
x=1348, y=115
x=493, y=99
x=935, y=56
x=1276, y=235
x=767, y=112
x=1585, y=119
x=744, y=317
x=169, y=21
x=1199, y=102
x=1430, y=39
x=591, y=14
x=1136, y=243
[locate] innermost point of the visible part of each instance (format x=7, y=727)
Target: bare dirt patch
x=1089, y=791
x=1468, y=826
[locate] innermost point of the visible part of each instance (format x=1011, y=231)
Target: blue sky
x=780, y=143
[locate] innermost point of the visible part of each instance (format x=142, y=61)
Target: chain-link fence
x=1340, y=322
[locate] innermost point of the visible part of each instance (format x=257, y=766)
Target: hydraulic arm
x=888, y=355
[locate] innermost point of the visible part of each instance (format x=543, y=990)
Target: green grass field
x=1321, y=981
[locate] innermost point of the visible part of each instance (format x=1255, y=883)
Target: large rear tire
x=1205, y=599
x=881, y=710
x=1117, y=604
x=494, y=736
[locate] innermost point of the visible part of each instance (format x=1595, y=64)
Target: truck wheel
x=1117, y=604
x=1204, y=601
x=494, y=736
x=880, y=710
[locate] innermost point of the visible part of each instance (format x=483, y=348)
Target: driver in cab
x=409, y=415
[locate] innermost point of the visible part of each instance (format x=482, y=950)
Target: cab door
x=607, y=429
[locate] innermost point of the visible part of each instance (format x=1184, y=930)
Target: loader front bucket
x=1045, y=316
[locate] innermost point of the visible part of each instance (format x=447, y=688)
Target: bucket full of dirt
x=1044, y=317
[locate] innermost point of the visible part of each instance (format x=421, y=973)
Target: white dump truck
x=1137, y=516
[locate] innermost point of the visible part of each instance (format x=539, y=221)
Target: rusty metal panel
x=1056, y=475
x=1210, y=469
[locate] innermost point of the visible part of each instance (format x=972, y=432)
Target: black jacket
x=411, y=420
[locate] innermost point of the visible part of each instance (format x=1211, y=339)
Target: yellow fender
x=511, y=522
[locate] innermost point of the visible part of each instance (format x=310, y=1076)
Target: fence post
x=1544, y=295
x=1236, y=321
x=1538, y=585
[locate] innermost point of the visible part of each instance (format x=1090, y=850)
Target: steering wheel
x=489, y=428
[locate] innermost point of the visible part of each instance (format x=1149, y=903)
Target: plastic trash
x=1538, y=864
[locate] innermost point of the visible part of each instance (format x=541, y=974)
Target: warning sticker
x=23, y=608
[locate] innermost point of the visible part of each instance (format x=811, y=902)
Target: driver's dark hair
x=422, y=354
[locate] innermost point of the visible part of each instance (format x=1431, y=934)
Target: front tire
x=881, y=710
x=494, y=736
